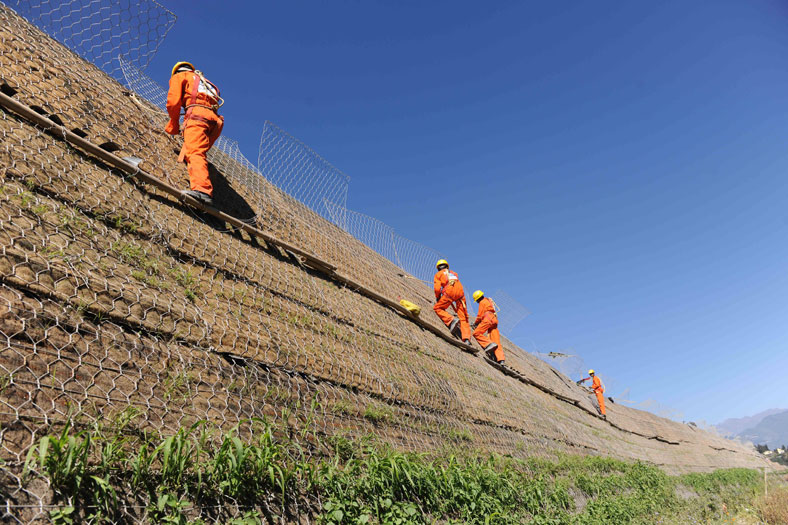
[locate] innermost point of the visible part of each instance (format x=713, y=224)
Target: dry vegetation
x=773, y=508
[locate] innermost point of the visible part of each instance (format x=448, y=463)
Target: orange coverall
x=201, y=125
x=487, y=320
x=596, y=386
x=448, y=291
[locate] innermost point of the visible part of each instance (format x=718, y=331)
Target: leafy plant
x=64, y=458
x=360, y=481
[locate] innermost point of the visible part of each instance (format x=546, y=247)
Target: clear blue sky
x=618, y=167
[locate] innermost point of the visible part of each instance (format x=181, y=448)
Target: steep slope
x=114, y=294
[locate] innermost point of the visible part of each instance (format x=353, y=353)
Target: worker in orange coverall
x=202, y=125
x=599, y=390
x=448, y=291
x=487, y=321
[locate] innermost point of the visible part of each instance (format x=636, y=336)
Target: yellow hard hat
x=478, y=294
x=590, y=372
x=442, y=261
x=179, y=65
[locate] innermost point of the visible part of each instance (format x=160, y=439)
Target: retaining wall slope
x=115, y=294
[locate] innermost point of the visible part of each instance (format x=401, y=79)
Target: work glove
x=579, y=382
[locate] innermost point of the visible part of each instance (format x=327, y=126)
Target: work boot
x=201, y=197
x=453, y=325
x=502, y=362
x=491, y=348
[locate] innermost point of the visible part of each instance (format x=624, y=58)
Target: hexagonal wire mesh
x=101, y=31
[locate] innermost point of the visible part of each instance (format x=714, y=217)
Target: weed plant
x=254, y=473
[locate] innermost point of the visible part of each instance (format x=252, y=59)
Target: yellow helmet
x=179, y=65
x=477, y=295
x=442, y=261
x=590, y=372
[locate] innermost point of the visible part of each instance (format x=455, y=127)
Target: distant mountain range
x=732, y=427
x=772, y=430
x=769, y=427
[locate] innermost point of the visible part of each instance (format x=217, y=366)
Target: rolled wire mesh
x=114, y=295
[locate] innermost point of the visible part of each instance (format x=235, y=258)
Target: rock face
x=114, y=294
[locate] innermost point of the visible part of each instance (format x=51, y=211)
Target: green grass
x=264, y=477
x=187, y=281
x=378, y=413
x=135, y=255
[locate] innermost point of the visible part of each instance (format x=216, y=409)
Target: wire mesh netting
x=297, y=170
x=100, y=31
x=510, y=312
x=115, y=298
x=374, y=233
x=415, y=258
x=147, y=88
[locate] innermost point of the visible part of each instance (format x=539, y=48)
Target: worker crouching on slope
x=599, y=390
x=202, y=125
x=487, y=321
x=448, y=291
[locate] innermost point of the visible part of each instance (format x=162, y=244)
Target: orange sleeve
x=597, y=383
x=438, y=283
x=484, y=307
x=175, y=102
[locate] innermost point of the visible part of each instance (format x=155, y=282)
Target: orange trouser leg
x=495, y=335
x=600, y=398
x=198, y=137
x=462, y=313
x=480, y=333
x=440, y=308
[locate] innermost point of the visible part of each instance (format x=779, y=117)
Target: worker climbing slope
x=487, y=321
x=599, y=390
x=202, y=125
x=449, y=292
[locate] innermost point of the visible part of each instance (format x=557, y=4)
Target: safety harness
x=495, y=306
x=453, y=278
x=198, y=78
x=495, y=309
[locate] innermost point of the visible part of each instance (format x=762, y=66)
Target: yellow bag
x=409, y=306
